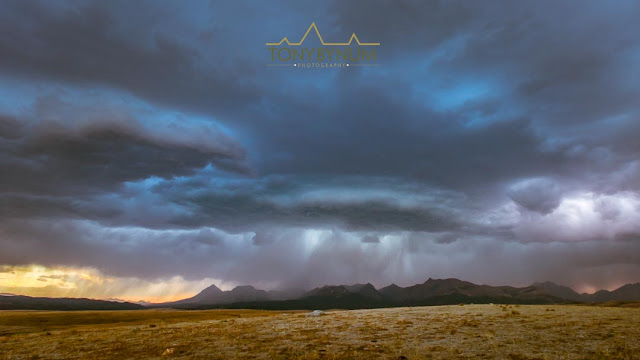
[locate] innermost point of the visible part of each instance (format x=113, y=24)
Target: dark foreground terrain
x=449, y=332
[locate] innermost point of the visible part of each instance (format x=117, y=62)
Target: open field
x=470, y=331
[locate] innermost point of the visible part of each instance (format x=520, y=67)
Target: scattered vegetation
x=470, y=331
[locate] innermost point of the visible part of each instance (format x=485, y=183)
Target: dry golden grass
x=449, y=332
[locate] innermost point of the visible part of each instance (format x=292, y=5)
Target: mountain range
x=431, y=292
x=240, y=294
x=357, y=296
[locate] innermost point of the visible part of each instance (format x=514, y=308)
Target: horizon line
x=142, y=298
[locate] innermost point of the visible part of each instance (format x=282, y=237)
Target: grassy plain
x=437, y=332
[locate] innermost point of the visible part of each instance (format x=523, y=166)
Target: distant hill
x=367, y=291
x=629, y=292
x=20, y=302
x=434, y=289
x=240, y=294
x=563, y=292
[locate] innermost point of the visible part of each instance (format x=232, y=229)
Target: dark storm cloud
x=396, y=134
x=571, y=58
x=120, y=44
x=241, y=204
x=368, y=215
x=392, y=23
x=47, y=160
x=491, y=131
x=376, y=133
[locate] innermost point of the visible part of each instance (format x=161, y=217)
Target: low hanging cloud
x=538, y=194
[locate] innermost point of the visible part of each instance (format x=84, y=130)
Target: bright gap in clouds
x=584, y=217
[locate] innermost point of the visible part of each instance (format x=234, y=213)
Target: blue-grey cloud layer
x=150, y=139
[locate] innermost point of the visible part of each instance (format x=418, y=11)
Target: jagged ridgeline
x=363, y=296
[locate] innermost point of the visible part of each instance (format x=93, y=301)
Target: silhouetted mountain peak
x=212, y=289
x=391, y=291
x=208, y=295
x=549, y=285
x=563, y=292
x=629, y=286
x=329, y=291
x=447, y=284
x=213, y=295
x=367, y=290
x=449, y=281
x=245, y=293
x=359, y=287
x=624, y=293
x=243, y=289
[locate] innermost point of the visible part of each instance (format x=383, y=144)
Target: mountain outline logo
x=326, y=55
x=313, y=26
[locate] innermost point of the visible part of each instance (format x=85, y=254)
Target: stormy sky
x=146, y=150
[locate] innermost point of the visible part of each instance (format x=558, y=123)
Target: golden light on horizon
x=35, y=276
x=38, y=280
